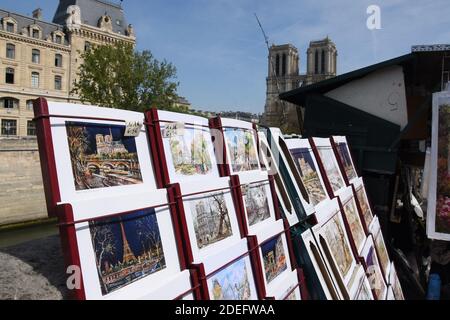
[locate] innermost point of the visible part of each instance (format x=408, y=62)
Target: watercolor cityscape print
x=231, y=283
x=190, y=150
x=241, y=149
x=274, y=258
x=442, y=221
x=346, y=159
x=211, y=219
x=351, y=213
x=382, y=251
x=332, y=171
x=101, y=156
x=309, y=174
x=338, y=245
x=126, y=249
x=256, y=204
x=365, y=209
x=374, y=274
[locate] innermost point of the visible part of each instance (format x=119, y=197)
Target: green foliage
x=119, y=77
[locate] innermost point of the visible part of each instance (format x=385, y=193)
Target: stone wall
x=21, y=190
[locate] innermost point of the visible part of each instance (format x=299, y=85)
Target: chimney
x=37, y=14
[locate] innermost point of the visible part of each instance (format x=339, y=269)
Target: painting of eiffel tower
x=127, y=249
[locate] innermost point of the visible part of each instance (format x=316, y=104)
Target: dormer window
x=10, y=27
x=35, y=33
x=58, y=39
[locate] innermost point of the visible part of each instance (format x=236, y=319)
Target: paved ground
x=33, y=271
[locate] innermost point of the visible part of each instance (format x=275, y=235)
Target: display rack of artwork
x=196, y=208
x=438, y=211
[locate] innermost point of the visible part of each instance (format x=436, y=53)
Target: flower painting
x=241, y=149
x=126, y=249
x=101, y=156
x=309, y=175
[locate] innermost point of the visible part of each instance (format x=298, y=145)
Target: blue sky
x=220, y=54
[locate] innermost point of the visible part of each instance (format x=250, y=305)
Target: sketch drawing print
x=211, y=219
x=231, y=283
x=101, y=156
x=274, y=258
x=126, y=249
x=332, y=171
x=241, y=149
x=338, y=245
x=346, y=161
x=189, y=150
x=256, y=204
x=442, y=222
x=309, y=175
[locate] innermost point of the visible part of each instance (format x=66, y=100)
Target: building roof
x=25, y=21
x=92, y=11
x=298, y=95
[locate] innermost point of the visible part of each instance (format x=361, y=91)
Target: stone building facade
x=284, y=75
x=41, y=59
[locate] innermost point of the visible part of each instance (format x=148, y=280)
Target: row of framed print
x=183, y=210
x=345, y=242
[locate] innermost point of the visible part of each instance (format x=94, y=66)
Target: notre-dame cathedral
x=284, y=75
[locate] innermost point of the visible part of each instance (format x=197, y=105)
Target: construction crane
x=274, y=73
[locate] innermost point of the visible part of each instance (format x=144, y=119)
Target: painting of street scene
x=331, y=169
x=356, y=228
x=101, y=156
x=241, y=149
x=256, y=204
x=231, y=283
x=190, y=152
x=442, y=224
x=346, y=161
x=365, y=209
x=374, y=274
x=126, y=249
x=211, y=219
x=274, y=258
x=338, y=245
x=309, y=175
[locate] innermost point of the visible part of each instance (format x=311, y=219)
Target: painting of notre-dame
x=127, y=249
x=101, y=156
